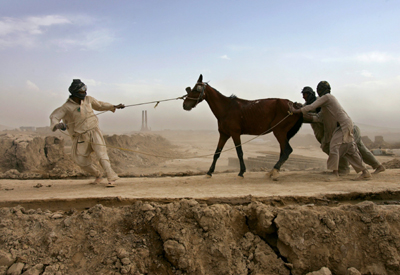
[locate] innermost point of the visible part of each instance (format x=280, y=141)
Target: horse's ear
x=200, y=78
x=188, y=90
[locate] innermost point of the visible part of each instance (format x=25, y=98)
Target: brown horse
x=246, y=117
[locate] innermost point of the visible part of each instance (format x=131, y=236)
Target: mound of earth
x=392, y=164
x=138, y=150
x=188, y=237
x=31, y=156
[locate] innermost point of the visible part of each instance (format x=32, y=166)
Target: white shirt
x=79, y=118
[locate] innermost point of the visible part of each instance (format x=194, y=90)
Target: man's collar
x=71, y=100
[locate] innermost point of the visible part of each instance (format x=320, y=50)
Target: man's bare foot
x=111, y=184
x=379, y=169
x=333, y=176
x=365, y=175
x=344, y=172
x=96, y=181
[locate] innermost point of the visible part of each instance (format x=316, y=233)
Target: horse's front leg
x=239, y=151
x=221, y=143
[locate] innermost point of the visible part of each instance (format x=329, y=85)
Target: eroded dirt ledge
x=192, y=237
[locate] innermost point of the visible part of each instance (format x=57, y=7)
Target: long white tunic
x=83, y=128
x=332, y=115
x=79, y=118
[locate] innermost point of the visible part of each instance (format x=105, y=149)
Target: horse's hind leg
x=284, y=155
x=286, y=150
x=221, y=143
x=239, y=151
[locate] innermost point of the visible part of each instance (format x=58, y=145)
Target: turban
x=77, y=86
x=323, y=88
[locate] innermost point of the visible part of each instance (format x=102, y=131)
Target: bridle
x=201, y=95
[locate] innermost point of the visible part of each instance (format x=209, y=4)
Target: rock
x=125, y=261
x=12, y=174
x=67, y=222
x=174, y=252
x=322, y=271
x=15, y=269
x=6, y=259
x=147, y=207
x=122, y=253
x=57, y=216
x=353, y=271
x=35, y=270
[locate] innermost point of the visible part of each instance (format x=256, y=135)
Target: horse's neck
x=218, y=103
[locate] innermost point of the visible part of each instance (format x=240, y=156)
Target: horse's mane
x=232, y=96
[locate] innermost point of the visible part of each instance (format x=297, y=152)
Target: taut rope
x=131, y=105
x=201, y=156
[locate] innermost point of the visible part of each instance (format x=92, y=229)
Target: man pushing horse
x=318, y=128
x=83, y=127
x=338, y=131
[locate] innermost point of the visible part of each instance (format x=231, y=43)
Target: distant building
x=27, y=128
x=43, y=129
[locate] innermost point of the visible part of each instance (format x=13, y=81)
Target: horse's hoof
x=240, y=176
x=273, y=174
x=208, y=176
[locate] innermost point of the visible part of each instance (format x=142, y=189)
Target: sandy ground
x=224, y=183
x=160, y=221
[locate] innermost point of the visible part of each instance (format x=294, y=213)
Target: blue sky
x=137, y=51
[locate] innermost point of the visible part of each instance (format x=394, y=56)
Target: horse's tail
x=296, y=127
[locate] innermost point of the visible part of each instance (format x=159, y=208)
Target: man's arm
x=308, y=118
x=313, y=118
x=105, y=106
x=55, y=119
x=317, y=103
x=313, y=106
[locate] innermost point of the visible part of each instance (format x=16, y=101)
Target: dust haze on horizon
x=139, y=51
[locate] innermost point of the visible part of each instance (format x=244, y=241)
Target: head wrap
x=307, y=90
x=77, y=86
x=311, y=96
x=323, y=88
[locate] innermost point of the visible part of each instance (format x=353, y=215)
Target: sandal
x=111, y=184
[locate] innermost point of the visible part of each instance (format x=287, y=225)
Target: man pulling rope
x=83, y=127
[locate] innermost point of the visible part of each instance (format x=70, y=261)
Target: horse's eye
x=199, y=88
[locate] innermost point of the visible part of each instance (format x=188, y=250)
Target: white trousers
x=348, y=150
x=82, y=147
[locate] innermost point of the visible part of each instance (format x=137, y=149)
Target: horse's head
x=196, y=95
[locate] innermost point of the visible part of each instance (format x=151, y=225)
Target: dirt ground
x=169, y=179
x=167, y=217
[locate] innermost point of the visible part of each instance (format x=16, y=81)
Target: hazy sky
x=137, y=51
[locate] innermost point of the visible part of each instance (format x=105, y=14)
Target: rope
x=158, y=101
x=201, y=156
x=131, y=105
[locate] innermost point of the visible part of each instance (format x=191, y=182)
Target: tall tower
x=144, y=121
